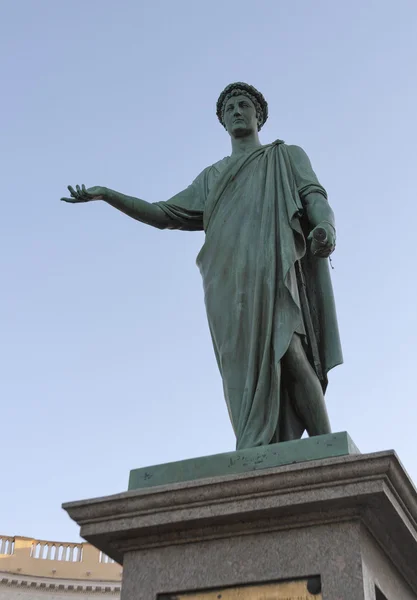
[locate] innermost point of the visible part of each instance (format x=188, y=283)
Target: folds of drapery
x=261, y=286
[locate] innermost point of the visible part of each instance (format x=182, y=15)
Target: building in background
x=40, y=570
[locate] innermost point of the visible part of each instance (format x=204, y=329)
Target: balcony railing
x=26, y=555
x=103, y=558
x=57, y=551
x=6, y=545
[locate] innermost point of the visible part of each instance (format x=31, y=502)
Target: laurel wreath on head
x=240, y=88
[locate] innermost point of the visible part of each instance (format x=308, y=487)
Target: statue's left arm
x=314, y=199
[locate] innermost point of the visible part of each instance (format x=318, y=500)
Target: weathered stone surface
x=243, y=461
x=351, y=519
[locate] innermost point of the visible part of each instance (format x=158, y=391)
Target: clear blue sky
x=105, y=356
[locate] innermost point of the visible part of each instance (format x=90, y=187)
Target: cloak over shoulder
x=261, y=285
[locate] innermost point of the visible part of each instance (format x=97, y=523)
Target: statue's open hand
x=323, y=239
x=81, y=194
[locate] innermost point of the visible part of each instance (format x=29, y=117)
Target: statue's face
x=240, y=116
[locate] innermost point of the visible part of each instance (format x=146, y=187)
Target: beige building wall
x=40, y=570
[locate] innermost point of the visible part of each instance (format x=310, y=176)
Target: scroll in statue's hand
x=323, y=239
x=81, y=194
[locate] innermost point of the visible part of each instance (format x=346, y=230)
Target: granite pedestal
x=345, y=524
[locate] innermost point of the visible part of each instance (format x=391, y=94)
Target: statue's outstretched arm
x=138, y=209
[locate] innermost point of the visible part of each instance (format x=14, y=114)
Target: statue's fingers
x=77, y=187
x=325, y=252
x=72, y=191
x=71, y=200
x=84, y=193
x=319, y=251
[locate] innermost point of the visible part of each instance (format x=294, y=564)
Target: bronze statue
x=268, y=294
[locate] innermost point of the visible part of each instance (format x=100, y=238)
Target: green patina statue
x=268, y=293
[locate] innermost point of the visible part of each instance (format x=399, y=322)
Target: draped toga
x=261, y=286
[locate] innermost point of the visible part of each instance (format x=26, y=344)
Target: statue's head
x=241, y=109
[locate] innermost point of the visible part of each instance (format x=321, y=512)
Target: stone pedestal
x=347, y=521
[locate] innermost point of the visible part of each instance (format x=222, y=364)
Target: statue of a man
x=268, y=293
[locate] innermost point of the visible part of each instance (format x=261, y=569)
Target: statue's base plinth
x=244, y=461
x=347, y=521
